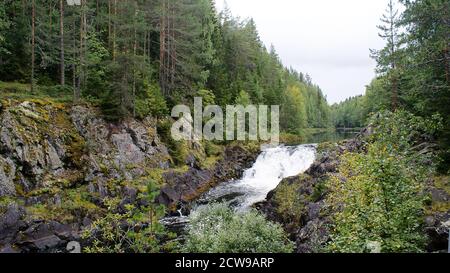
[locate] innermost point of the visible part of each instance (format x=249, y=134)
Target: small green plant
x=218, y=229
x=207, y=96
x=290, y=207
x=137, y=230
x=152, y=102
x=319, y=191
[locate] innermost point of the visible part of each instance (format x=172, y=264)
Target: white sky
x=328, y=39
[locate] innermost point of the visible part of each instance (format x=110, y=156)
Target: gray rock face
x=46, y=148
x=31, y=146
x=44, y=142
x=437, y=222
x=128, y=152
x=184, y=187
x=7, y=176
x=124, y=149
x=10, y=222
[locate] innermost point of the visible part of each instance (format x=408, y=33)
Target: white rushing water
x=273, y=165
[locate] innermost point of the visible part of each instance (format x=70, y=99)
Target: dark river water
x=331, y=136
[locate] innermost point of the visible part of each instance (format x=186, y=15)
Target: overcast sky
x=328, y=39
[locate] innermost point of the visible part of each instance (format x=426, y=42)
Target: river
x=272, y=165
x=331, y=135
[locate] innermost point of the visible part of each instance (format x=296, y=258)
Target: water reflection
x=331, y=135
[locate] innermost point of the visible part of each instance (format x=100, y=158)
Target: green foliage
x=218, y=229
x=4, y=25
x=151, y=103
x=208, y=97
x=377, y=97
x=116, y=59
x=413, y=70
x=380, y=202
x=97, y=56
x=401, y=131
x=212, y=149
x=351, y=113
x=378, y=195
x=293, y=112
x=289, y=205
x=243, y=99
x=320, y=189
x=177, y=149
x=136, y=230
x=13, y=87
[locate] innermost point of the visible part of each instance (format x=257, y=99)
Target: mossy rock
x=326, y=147
x=75, y=205
x=289, y=205
x=443, y=183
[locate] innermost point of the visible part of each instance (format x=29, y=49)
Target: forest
x=135, y=58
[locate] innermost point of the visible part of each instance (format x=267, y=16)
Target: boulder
x=10, y=221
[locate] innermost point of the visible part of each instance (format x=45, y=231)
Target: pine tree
x=4, y=25
x=388, y=57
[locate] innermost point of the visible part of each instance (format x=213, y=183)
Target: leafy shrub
x=290, y=207
x=212, y=149
x=14, y=87
x=218, y=229
x=378, y=195
x=151, y=102
x=243, y=98
x=380, y=201
x=177, y=149
x=320, y=190
x=136, y=230
x=401, y=130
x=208, y=97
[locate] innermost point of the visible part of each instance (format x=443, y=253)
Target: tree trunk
x=114, y=30
x=61, y=33
x=74, y=67
x=33, y=43
x=134, y=59
x=162, y=49
x=173, y=53
x=109, y=24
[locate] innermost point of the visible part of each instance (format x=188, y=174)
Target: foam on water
x=272, y=165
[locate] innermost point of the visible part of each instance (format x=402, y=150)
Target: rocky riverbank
x=299, y=203
x=58, y=163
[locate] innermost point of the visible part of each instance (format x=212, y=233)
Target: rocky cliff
x=59, y=162
x=310, y=223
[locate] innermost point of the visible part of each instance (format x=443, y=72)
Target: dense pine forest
x=88, y=163
x=136, y=58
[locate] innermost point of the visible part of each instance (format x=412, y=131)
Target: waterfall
x=270, y=168
x=272, y=165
